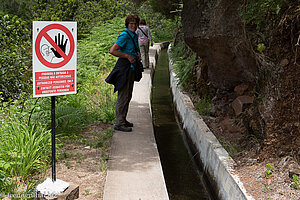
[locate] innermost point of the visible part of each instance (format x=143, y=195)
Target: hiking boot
x=122, y=128
x=128, y=124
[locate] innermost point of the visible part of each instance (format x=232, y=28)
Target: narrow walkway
x=135, y=171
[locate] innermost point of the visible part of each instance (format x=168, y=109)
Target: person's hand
x=131, y=59
x=60, y=44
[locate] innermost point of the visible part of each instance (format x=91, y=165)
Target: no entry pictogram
x=54, y=58
x=44, y=33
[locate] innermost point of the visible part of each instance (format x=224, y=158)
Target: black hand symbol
x=60, y=44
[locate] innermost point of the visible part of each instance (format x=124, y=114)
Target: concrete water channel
x=184, y=180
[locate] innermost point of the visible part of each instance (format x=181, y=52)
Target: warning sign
x=54, y=58
x=53, y=82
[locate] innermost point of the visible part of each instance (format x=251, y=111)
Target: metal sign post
x=53, y=138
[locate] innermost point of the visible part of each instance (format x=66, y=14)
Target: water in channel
x=183, y=180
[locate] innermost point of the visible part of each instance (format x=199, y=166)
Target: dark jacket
x=119, y=75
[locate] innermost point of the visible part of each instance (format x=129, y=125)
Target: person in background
x=145, y=37
x=123, y=74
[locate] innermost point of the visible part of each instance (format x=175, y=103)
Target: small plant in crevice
x=68, y=165
x=104, y=140
x=104, y=162
x=269, y=171
x=267, y=188
x=231, y=148
x=268, y=175
x=296, y=183
x=204, y=106
x=261, y=47
x=87, y=192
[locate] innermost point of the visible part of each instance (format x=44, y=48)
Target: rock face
x=214, y=30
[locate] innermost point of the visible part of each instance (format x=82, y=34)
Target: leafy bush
x=162, y=31
x=257, y=12
x=15, y=57
x=166, y=6
x=91, y=13
x=86, y=13
x=20, y=8
x=55, y=10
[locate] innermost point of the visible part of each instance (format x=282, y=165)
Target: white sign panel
x=54, y=58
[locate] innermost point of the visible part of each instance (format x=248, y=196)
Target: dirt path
x=83, y=160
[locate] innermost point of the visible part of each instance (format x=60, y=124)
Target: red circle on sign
x=43, y=33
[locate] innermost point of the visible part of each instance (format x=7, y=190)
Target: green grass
x=24, y=153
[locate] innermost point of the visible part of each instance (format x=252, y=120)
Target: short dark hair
x=130, y=18
x=143, y=22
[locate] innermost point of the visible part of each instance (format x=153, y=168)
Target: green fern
x=183, y=65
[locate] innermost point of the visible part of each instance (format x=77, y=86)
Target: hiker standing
x=145, y=37
x=125, y=71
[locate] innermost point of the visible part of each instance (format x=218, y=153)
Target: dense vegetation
x=25, y=137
